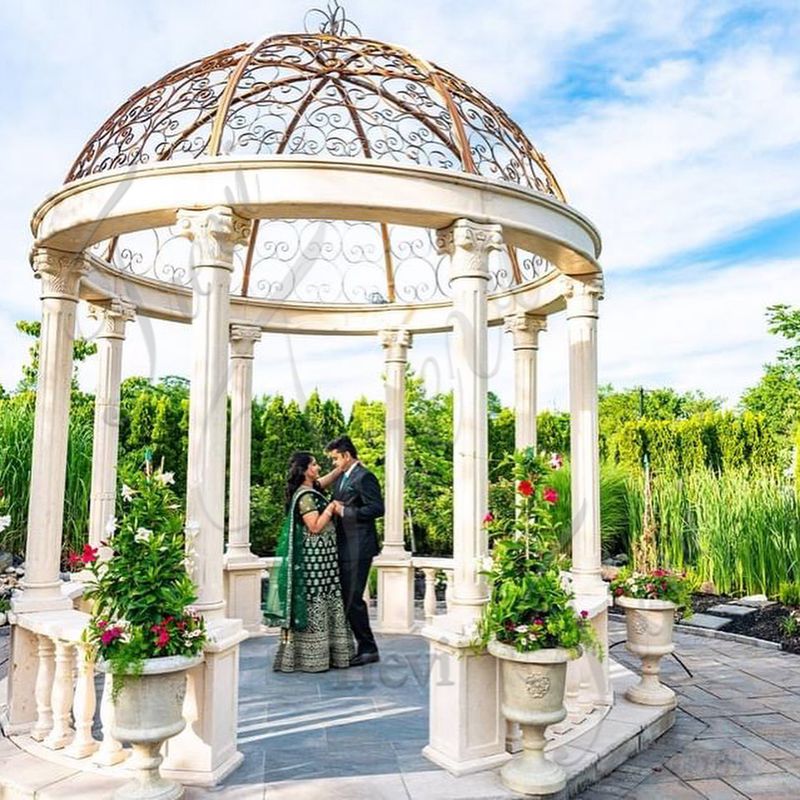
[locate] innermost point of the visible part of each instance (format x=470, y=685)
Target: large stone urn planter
x=649, y=629
x=148, y=710
x=533, y=695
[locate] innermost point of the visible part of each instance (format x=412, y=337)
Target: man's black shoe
x=365, y=658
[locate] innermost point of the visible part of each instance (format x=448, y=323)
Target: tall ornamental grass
x=740, y=530
x=16, y=442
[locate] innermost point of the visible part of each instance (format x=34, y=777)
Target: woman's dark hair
x=298, y=464
x=344, y=444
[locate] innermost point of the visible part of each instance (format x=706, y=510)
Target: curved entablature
x=327, y=95
x=106, y=206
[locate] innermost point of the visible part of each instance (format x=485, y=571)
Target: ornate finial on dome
x=332, y=21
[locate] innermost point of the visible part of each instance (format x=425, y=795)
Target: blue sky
x=674, y=126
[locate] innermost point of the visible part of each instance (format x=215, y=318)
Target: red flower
x=619, y=591
x=488, y=517
x=525, y=488
x=550, y=495
x=89, y=554
x=584, y=613
x=163, y=638
x=74, y=559
x=102, y=624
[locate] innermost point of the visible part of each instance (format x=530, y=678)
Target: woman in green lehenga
x=306, y=599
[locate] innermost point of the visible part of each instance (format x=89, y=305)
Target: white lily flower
x=5, y=521
x=143, y=535
x=111, y=526
x=127, y=493
x=166, y=478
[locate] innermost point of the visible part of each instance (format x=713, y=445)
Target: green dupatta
x=286, y=598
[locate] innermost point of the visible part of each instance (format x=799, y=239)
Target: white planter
x=649, y=628
x=533, y=695
x=148, y=710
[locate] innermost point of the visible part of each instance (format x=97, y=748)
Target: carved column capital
x=582, y=295
x=112, y=317
x=525, y=329
x=60, y=272
x=396, y=342
x=243, y=340
x=213, y=232
x=471, y=240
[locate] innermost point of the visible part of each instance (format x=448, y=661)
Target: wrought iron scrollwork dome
x=317, y=94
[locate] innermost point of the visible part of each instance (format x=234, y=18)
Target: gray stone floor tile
x=715, y=789
x=706, y=621
x=767, y=787
x=732, y=610
x=715, y=758
x=674, y=790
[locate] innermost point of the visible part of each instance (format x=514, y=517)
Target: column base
x=205, y=751
x=467, y=730
x=242, y=580
x=395, y=594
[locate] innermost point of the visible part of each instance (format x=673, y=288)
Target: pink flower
x=584, y=613
x=110, y=635
x=74, y=559
x=550, y=495
x=538, y=621
x=619, y=591
x=525, y=488
x=556, y=461
x=488, y=517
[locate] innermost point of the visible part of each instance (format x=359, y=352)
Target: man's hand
x=338, y=507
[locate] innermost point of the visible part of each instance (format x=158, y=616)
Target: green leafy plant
x=790, y=625
x=530, y=607
x=656, y=584
x=789, y=593
x=140, y=590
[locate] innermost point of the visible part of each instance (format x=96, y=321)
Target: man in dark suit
x=358, y=504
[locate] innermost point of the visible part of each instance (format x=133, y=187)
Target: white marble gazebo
x=317, y=183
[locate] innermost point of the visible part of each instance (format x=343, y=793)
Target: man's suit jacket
x=356, y=534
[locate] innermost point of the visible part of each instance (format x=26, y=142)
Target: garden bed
x=765, y=623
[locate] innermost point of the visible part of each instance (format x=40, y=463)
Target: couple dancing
x=327, y=547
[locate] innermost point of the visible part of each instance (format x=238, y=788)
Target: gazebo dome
x=322, y=94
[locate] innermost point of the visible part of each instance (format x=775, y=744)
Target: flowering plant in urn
x=530, y=606
x=140, y=588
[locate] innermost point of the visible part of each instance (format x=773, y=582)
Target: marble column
x=110, y=338
x=395, y=572
x=206, y=750
x=60, y=274
x=582, y=297
x=525, y=330
x=467, y=731
x=242, y=568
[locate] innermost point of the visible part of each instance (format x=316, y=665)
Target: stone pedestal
x=467, y=729
x=205, y=751
x=243, y=592
x=395, y=595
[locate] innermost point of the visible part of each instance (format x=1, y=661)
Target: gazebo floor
x=347, y=734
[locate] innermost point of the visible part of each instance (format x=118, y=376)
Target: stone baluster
x=449, y=579
x=62, y=694
x=429, y=602
x=44, y=686
x=83, y=744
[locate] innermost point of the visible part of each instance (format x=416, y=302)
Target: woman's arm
x=315, y=521
x=326, y=480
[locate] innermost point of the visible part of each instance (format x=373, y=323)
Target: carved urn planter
x=649, y=629
x=533, y=695
x=148, y=710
